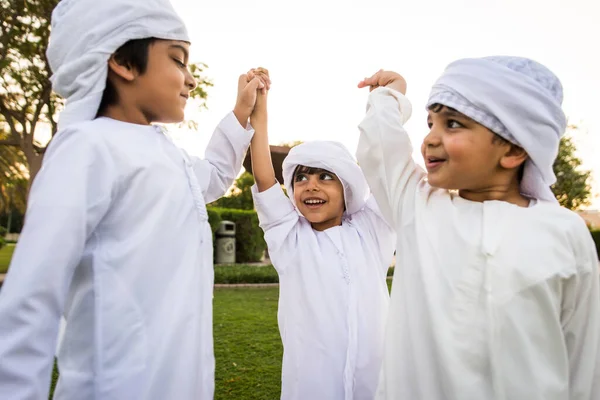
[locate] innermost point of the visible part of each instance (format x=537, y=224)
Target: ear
x=123, y=71
x=513, y=158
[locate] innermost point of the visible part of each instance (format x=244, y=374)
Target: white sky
x=317, y=51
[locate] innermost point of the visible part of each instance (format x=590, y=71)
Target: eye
x=300, y=178
x=180, y=63
x=453, y=124
x=326, y=177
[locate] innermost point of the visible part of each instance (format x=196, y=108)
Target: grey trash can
x=225, y=243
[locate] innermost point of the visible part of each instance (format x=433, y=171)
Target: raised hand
x=389, y=79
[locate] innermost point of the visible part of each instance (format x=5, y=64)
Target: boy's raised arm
x=384, y=150
x=262, y=165
x=227, y=147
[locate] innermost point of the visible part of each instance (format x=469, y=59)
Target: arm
x=262, y=165
x=227, y=147
x=385, y=152
x=69, y=197
x=581, y=326
x=280, y=221
x=278, y=217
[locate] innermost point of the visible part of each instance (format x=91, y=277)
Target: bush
x=2, y=242
x=3, y=231
x=250, y=244
x=231, y=274
x=596, y=236
x=214, y=219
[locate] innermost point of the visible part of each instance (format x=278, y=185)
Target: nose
x=313, y=183
x=190, y=81
x=433, y=138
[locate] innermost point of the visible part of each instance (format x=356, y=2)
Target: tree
x=26, y=98
x=572, y=188
x=239, y=195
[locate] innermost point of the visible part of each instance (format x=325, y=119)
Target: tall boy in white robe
x=332, y=249
x=116, y=236
x=495, y=292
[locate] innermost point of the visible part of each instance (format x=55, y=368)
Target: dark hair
x=133, y=54
x=303, y=169
x=496, y=139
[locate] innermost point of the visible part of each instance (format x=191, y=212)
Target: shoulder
x=573, y=230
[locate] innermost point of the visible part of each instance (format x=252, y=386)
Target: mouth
x=185, y=96
x=313, y=202
x=432, y=163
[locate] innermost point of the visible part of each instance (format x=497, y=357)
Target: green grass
x=248, y=348
x=5, y=256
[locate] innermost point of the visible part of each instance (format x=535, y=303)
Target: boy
x=332, y=250
x=495, y=293
x=116, y=235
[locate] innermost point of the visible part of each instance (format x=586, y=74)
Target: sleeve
x=223, y=158
x=385, y=155
x=380, y=231
x=70, y=195
x=581, y=327
x=280, y=221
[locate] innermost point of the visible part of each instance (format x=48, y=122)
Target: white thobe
x=333, y=298
x=489, y=300
x=115, y=239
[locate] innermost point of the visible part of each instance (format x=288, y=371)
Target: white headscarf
x=333, y=157
x=516, y=98
x=85, y=33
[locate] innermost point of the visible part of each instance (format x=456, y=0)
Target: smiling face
x=319, y=196
x=460, y=153
x=161, y=92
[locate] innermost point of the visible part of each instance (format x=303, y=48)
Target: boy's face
x=459, y=153
x=163, y=89
x=319, y=196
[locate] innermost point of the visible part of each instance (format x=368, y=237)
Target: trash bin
x=225, y=243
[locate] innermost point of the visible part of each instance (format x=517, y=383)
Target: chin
x=172, y=118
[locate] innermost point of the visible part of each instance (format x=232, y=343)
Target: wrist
x=242, y=116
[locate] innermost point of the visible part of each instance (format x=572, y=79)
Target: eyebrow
x=186, y=54
x=449, y=113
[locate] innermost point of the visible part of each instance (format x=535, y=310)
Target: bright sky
x=317, y=51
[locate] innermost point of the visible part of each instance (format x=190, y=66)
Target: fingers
x=255, y=84
x=373, y=81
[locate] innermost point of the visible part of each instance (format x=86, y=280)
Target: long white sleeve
x=278, y=219
x=223, y=158
x=385, y=154
x=581, y=325
x=69, y=197
x=373, y=223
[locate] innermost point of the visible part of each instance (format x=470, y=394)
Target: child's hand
x=389, y=79
x=258, y=117
x=248, y=85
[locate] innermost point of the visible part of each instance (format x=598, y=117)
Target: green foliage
x=239, y=196
x=249, y=239
x=214, y=219
x=26, y=98
x=235, y=274
x=572, y=188
x=5, y=256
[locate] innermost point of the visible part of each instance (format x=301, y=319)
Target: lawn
x=5, y=256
